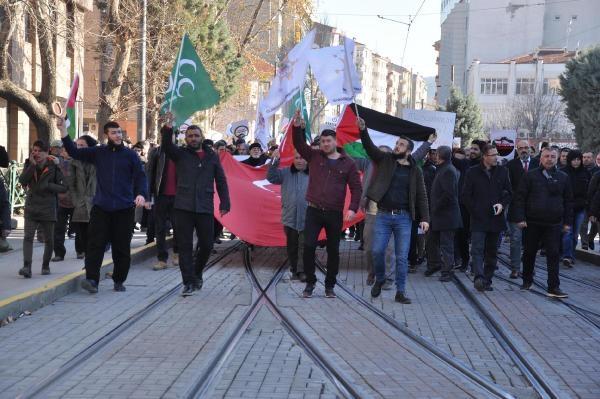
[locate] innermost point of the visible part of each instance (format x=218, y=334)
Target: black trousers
x=115, y=227
x=186, y=222
x=484, y=254
x=462, y=237
x=294, y=246
x=81, y=236
x=218, y=229
x=332, y=222
x=441, y=245
x=63, y=215
x=163, y=212
x=550, y=236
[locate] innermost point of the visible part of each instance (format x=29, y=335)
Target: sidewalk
x=18, y=294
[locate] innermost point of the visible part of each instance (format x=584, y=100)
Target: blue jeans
x=400, y=225
x=569, y=239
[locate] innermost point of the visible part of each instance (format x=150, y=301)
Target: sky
x=387, y=38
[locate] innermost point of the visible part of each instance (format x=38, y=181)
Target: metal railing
x=10, y=179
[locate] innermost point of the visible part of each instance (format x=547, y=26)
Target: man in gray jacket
x=293, y=181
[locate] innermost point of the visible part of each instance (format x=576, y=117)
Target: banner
x=504, y=140
x=290, y=77
x=442, y=122
x=255, y=215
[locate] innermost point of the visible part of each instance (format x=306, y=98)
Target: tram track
x=43, y=386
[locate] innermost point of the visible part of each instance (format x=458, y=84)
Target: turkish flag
x=255, y=215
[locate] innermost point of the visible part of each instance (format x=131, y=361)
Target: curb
x=39, y=297
x=592, y=257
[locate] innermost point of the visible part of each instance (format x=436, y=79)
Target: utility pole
x=141, y=133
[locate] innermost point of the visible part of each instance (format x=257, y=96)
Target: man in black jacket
x=198, y=169
x=486, y=194
x=544, y=206
x=517, y=168
x=445, y=216
x=257, y=157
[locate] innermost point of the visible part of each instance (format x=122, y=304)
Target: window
x=525, y=86
x=494, y=86
x=28, y=27
x=452, y=73
x=551, y=86
x=556, y=18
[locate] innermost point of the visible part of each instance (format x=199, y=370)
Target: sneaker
x=175, y=260
x=119, y=287
x=330, y=293
x=161, y=265
x=431, y=272
x=526, y=286
x=514, y=274
x=401, y=298
x=90, y=286
x=45, y=270
x=58, y=259
x=198, y=285
x=188, y=290
x=568, y=262
x=445, y=278
x=376, y=289
x=25, y=272
x=479, y=284
x=308, y=290
x=80, y=255
x=556, y=293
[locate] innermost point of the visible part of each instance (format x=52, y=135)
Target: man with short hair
x=121, y=187
x=330, y=172
x=589, y=162
x=517, y=168
x=398, y=188
x=256, y=158
x=445, y=216
x=199, y=170
x=475, y=153
x=562, y=162
x=486, y=194
x=544, y=207
x=294, y=182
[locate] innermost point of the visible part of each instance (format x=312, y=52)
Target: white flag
x=261, y=132
x=290, y=76
x=335, y=72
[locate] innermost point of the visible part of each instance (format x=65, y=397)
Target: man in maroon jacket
x=330, y=171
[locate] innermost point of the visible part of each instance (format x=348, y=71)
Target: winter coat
x=516, y=173
x=120, y=175
x=43, y=184
x=196, y=178
x=580, y=181
x=327, y=184
x=64, y=199
x=445, y=210
x=543, y=200
x=82, y=187
x=293, y=194
x=480, y=192
x=382, y=179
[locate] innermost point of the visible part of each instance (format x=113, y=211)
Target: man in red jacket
x=330, y=171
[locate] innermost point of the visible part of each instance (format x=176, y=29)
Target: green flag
x=190, y=88
x=297, y=102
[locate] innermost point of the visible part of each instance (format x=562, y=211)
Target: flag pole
x=349, y=78
x=176, y=72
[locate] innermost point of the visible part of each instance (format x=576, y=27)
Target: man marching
x=198, y=171
x=330, y=171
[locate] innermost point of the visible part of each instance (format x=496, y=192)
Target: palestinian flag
x=70, y=121
x=384, y=129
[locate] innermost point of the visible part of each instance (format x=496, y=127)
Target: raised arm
x=27, y=174
x=166, y=142
x=372, y=151
x=274, y=174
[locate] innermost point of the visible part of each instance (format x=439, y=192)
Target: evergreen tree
x=580, y=89
x=469, y=125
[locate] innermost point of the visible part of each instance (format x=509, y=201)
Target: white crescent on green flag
x=70, y=121
x=190, y=87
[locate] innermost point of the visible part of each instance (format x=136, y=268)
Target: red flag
x=286, y=152
x=255, y=215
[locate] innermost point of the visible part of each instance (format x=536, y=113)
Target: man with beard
x=121, y=187
x=399, y=190
x=198, y=170
x=331, y=171
x=256, y=158
x=517, y=168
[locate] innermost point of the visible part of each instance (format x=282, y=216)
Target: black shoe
x=556, y=293
x=488, y=287
x=81, y=255
x=526, y=286
x=479, y=284
x=188, y=290
x=218, y=241
x=198, y=285
x=591, y=245
x=412, y=269
x=308, y=290
x=90, y=286
x=400, y=298
x=330, y=293
x=445, y=278
x=58, y=259
x=361, y=247
x=45, y=270
x=119, y=287
x=376, y=289
x=514, y=274
x=431, y=272
x=584, y=247
x=25, y=272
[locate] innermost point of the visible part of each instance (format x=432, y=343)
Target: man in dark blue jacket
x=121, y=186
